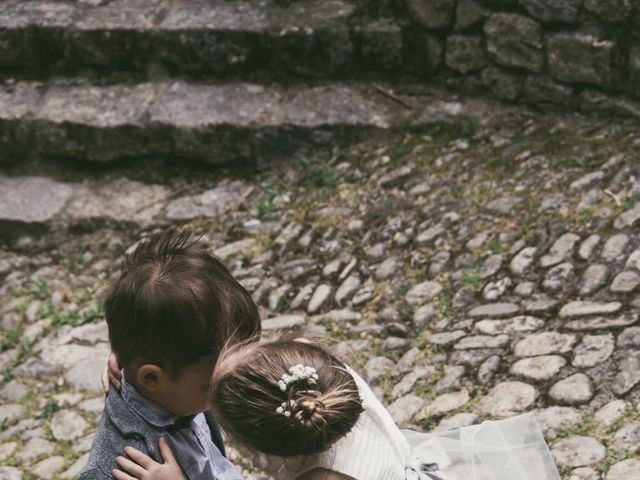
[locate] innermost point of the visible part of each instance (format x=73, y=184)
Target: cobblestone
x=432, y=262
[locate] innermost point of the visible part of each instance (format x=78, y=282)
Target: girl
x=313, y=418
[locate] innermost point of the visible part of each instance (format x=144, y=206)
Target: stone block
x=553, y=10
x=117, y=34
x=434, y=51
x=21, y=206
x=596, y=101
x=577, y=57
x=91, y=122
x=541, y=89
x=465, y=53
x=433, y=13
x=504, y=85
x=21, y=25
x=611, y=11
x=469, y=13
x=515, y=41
x=381, y=45
x=195, y=119
x=324, y=52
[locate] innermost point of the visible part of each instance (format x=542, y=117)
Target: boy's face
x=188, y=393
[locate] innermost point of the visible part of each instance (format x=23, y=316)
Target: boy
x=169, y=315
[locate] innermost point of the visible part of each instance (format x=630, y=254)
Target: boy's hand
x=144, y=467
x=111, y=374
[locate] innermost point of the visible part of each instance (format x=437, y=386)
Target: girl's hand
x=111, y=374
x=144, y=467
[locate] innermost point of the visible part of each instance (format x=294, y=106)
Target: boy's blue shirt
x=131, y=419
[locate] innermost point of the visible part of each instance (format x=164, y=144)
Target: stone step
x=35, y=205
x=247, y=39
x=236, y=123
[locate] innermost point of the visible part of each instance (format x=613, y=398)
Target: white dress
x=376, y=449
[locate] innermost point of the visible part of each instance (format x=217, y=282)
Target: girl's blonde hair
x=246, y=395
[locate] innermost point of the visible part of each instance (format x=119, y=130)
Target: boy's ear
x=149, y=376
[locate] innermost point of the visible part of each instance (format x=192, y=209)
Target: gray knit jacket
x=120, y=426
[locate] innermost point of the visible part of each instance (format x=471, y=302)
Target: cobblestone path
x=469, y=271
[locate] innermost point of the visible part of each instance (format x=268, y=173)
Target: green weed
x=611, y=458
x=10, y=338
x=49, y=409
x=38, y=289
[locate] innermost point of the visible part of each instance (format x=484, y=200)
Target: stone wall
x=566, y=53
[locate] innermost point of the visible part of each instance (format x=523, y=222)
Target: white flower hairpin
x=297, y=373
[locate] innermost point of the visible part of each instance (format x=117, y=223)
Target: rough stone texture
x=593, y=350
x=504, y=85
x=494, y=310
x=578, y=451
x=602, y=323
x=624, y=470
x=320, y=298
x=583, y=308
x=512, y=325
x=559, y=277
x=514, y=41
x=10, y=473
x=21, y=201
x=544, y=344
x=523, y=260
x=211, y=203
x=433, y=13
x=85, y=374
x=405, y=408
x=539, y=368
x=465, y=53
x=507, y=398
x=611, y=412
x=628, y=375
x=562, y=249
x=121, y=200
x=34, y=448
x=456, y=421
x=614, y=247
x=574, y=390
x=46, y=468
x=469, y=13
x=581, y=58
x=482, y=341
x=443, y=404
x=377, y=367
x=67, y=425
x=9, y=412
x=588, y=246
x=423, y=291
x=283, y=322
x=612, y=11
x=553, y=10
x=625, y=282
x=74, y=470
x=552, y=418
x=634, y=260
x=593, y=278
x=628, y=218
x=381, y=45
x=627, y=439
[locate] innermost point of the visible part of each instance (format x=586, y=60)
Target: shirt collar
x=151, y=412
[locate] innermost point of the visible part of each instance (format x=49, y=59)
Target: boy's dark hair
x=175, y=303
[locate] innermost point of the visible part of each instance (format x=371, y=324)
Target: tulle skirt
x=511, y=449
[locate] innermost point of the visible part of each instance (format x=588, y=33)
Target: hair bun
x=309, y=413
